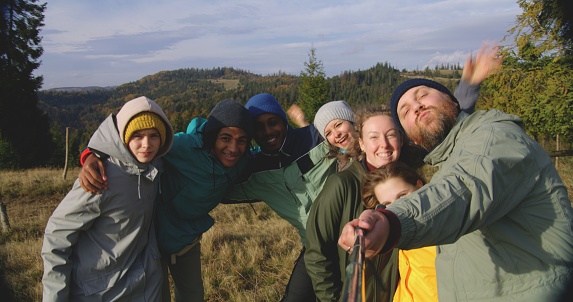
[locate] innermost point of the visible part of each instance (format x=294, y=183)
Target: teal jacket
x=289, y=191
x=498, y=210
x=193, y=185
x=288, y=181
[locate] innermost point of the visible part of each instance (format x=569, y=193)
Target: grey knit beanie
x=331, y=111
x=227, y=113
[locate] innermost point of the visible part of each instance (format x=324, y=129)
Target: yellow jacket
x=417, y=275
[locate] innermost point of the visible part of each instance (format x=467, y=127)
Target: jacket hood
x=144, y=104
x=108, y=138
x=197, y=129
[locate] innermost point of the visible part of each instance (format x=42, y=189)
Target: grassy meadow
x=247, y=256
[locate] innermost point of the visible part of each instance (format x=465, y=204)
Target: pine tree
x=545, y=29
x=313, y=87
x=23, y=127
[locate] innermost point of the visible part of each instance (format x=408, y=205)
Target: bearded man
x=497, y=209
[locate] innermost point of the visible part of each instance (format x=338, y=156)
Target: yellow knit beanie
x=145, y=120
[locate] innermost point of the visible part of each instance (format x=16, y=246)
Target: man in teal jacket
x=497, y=207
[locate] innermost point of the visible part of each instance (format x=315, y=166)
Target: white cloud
x=113, y=42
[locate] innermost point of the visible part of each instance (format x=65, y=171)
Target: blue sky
x=111, y=42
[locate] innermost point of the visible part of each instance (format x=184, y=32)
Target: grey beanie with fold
x=331, y=111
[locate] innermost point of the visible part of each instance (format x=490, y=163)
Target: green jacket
x=498, y=210
x=338, y=203
x=289, y=191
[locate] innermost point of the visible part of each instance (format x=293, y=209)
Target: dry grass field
x=247, y=256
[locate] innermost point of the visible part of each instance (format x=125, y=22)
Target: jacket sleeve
x=488, y=173
x=84, y=155
x=181, y=166
x=244, y=192
x=467, y=96
x=75, y=213
x=322, y=231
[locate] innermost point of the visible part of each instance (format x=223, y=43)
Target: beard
x=430, y=134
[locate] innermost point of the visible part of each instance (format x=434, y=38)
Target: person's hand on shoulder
x=92, y=176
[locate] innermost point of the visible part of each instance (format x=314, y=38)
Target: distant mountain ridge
x=190, y=92
x=88, y=88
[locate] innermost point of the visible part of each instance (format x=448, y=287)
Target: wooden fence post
x=66, y=161
x=560, y=153
x=557, y=158
x=4, y=215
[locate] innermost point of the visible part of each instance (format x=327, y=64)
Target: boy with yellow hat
x=103, y=247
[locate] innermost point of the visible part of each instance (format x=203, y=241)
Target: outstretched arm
x=377, y=231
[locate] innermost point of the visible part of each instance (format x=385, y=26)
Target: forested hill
x=187, y=93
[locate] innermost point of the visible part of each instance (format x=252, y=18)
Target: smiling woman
x=339, y=202
x=335, y=123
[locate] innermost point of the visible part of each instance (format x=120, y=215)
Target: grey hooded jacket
x=103, y=247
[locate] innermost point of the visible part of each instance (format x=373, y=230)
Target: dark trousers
x=299, y=287
x=186, y=275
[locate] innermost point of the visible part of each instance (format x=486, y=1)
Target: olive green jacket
x=338, y=203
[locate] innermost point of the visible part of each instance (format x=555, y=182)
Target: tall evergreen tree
x=545, y=29
x=23, y=127
x=313, y=87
